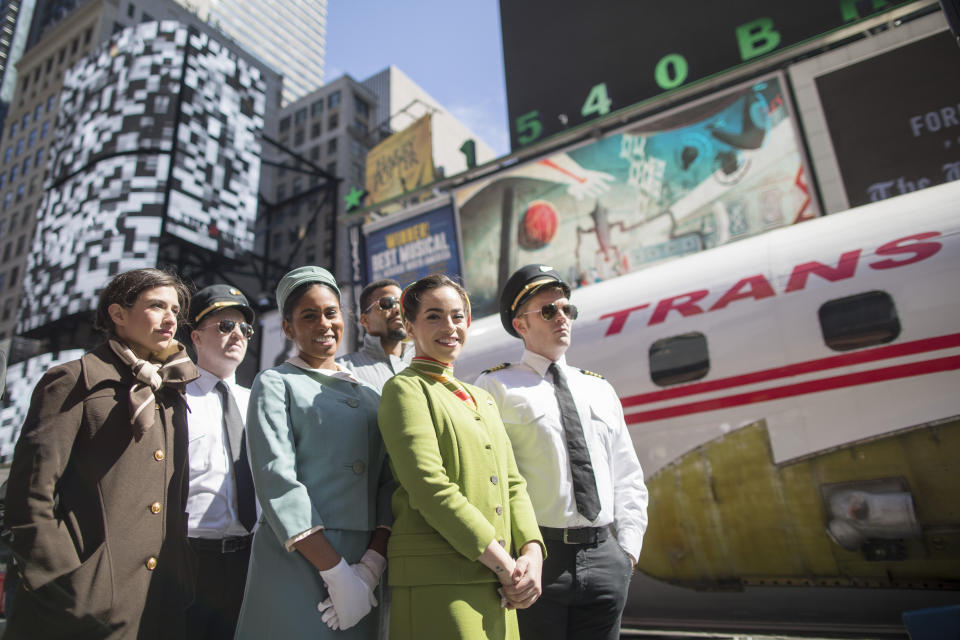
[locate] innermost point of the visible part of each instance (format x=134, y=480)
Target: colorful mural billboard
x=706, y=174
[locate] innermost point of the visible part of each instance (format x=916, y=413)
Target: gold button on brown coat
x=75, y=504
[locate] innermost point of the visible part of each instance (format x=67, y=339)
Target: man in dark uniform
x=572, y=446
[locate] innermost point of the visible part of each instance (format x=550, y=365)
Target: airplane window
x=679, y=359
x=863, y=320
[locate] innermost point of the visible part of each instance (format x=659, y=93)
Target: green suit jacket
x=459, y=484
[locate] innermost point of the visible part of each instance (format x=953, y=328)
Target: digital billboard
x=567, y=62
x=702, y=175
x=910, y=143
x=156, y=133
x=22, y=377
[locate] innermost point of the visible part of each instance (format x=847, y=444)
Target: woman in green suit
x=320, y=470
x=462, y=508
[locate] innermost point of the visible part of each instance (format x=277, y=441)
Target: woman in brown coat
x=98, y=484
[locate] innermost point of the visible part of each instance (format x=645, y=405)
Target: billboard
x=911, y=143
x=401, y=163
x=22, y=377
x=414, y=244
x=155, y=133
x=567, y=62
x=702, y=175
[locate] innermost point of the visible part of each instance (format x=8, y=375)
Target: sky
x=451, y=48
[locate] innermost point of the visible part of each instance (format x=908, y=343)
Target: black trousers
x=584, y=592
x=221, y=578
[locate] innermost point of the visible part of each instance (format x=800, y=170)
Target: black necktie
x=584, y=483
x=246, y=498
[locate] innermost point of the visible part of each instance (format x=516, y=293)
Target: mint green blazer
x=459, y=487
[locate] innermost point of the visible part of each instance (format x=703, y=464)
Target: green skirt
x=463, y=611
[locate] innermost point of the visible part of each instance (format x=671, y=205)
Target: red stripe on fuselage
x=800, y=388
x=799, y=368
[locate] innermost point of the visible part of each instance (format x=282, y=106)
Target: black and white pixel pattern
x=161, y=105
x=21, y=379
x=216, y=171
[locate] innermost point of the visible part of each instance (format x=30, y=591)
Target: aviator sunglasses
x=226, y=326
x=386, y=303
x=549, y=311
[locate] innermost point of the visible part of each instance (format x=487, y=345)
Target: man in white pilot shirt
x=221, y=504
x=572, y=446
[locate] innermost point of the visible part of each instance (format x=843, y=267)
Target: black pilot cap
x=215, y=298
x=525, y=282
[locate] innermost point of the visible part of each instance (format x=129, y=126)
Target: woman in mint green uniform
x=462, y=513
x=320, y=471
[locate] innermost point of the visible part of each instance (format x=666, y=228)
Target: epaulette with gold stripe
x=496, y=368
x=592, y=373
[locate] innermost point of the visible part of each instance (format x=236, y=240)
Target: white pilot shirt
x=525, y=393
x=212, y=503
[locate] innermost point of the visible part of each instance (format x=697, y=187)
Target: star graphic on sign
x=353, y=198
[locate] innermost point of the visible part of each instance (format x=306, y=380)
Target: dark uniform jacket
x=98, y=521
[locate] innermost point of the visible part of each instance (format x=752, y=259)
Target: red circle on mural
x=538, y=225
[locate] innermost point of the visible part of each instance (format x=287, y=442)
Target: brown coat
x=98, y=519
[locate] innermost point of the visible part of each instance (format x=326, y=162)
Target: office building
x=289, y=36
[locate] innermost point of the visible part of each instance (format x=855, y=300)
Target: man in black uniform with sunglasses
x=572, y=446
x=385, y=351
x=221, y=504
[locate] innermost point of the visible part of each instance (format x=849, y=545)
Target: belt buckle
x=229, y=544
x=566, y=538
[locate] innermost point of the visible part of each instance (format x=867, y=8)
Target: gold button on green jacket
x=459, y=484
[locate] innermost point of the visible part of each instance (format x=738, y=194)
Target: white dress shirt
x=525, y=393
x=212, y=501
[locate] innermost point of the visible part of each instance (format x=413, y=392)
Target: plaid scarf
x=175, y=371
x=442, y=373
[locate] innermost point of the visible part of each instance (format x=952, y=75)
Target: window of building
x=7, y=199
x=8, y=154
x=298, y=137
x=44, y=128
x=6, y=253
x=50, y=101
x=13, y=174
x=315, y=130
x=284, y=123
x=25, y=122
x=146, y=17
x=19, y=146
x=300, y=116
x=331, y=146
x=21, y=189
x=74, y=45
x=24, y=84
x=357, y=174
x=332, y=168
x=297, y=185
x=333, y=100
x=3, y=278
x=32, y=138
x=131, y=10
x=117, y=27
x=36, y=73
x=281, y=192
x=39, y=159
x=333, y=122
x=316, y=108
x=37, y=113
x=13, y=129
x=26, y=165
x=14, y=276
x=87, y=35
x=19, y=246
x=315, y=153
x=677, y=359
x=360, y=126
x=859, y=321
x=358, y=149
x=48, y=65
x=63, y=50
x=3, y=179
x=361, y=107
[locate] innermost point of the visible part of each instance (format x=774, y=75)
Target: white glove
x=369, y=569
x=350, y=596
